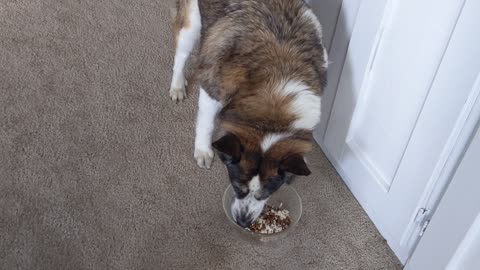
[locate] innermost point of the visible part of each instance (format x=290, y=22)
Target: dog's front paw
x=177, y=90
x=178, y=93
x=204, y=157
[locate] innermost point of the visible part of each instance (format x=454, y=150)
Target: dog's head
x=256, y=174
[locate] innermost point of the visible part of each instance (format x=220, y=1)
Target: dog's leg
x=207, y=110
x=187, y=32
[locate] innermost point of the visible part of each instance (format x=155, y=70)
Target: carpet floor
x=96, y=167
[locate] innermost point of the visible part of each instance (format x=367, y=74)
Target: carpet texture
x=96, y=167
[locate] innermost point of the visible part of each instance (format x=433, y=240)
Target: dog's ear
x=229, y=147
x=294, y=164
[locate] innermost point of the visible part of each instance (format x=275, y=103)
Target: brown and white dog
x=262, y=68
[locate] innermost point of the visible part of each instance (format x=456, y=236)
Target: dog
x=262, y=68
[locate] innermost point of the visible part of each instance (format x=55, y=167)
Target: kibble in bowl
x=272, y=220
x=278, y=219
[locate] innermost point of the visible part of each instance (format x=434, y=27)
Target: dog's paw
x=178, y=93
x=204, y=157
x=177, y=89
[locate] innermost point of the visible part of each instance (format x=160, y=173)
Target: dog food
x=272, y=220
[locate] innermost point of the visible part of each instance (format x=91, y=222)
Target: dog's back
x=256, y=54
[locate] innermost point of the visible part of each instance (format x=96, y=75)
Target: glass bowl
x=286, y=196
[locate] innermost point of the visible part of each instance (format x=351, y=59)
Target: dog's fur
x=262, y=68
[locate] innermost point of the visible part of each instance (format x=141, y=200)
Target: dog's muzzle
x=246, y=210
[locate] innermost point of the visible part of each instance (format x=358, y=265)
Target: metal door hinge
x=421, y=219
x=421, y=214
x=424, y=228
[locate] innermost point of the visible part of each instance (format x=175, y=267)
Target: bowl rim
x=263, y=234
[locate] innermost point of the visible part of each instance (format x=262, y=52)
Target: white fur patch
x=305, y=104
x=187, y=38
x=311, y=17
x=270, y=139
x=325, y=58
x=254, y=184
x=250, y=206
x=307, y=107
x=207, y=111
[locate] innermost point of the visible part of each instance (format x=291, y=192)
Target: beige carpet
x=96, y=168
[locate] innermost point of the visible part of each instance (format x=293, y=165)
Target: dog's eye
x=234, y=172
x=273, y=184
x=240, y=189
x=241, y=193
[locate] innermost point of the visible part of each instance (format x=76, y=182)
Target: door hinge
x=424, y=228
x=421, y=214
x=421, y=218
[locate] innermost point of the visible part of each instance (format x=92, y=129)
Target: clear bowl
x=286, y=196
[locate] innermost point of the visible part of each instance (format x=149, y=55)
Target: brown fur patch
x=249, y=48
x=251, y=138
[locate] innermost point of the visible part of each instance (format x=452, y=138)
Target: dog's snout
x=247, y=210
x=243, y=220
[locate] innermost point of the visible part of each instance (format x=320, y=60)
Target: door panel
x=394, y=92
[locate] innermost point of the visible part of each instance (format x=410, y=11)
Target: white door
x=405, y=90
x=452, y=241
